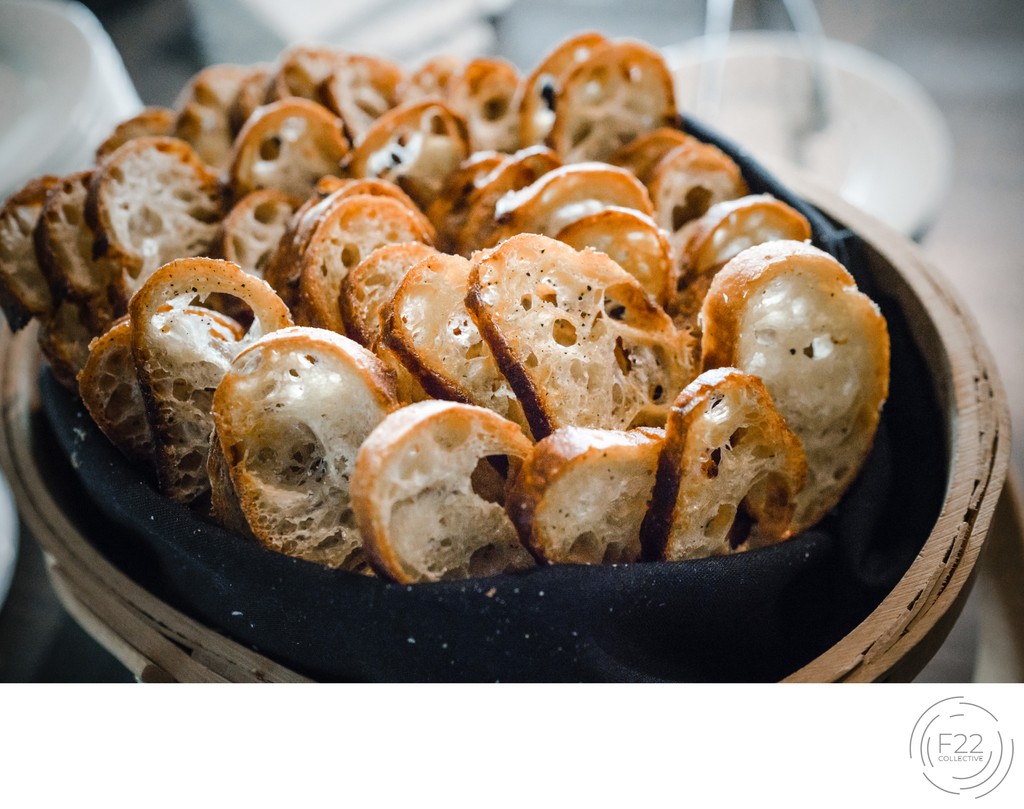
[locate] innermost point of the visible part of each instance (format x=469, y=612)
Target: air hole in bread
x=737, y=436
x=585, y=548
x=350, y=255
x=710, y=462
x=740, y=529
x=622, y=356
x=436, y=125
x=531, y=360
x=635, y=73
x=488, y=478
x=147, y=222
x=563, y=332
x=495, y=108
x=547, y=293
x=270, y=149
x=267, y=213
x=697, y=202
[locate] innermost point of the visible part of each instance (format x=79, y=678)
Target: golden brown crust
x=345, y=234
x=175, y=416
x=390, y=442
x=415, y=145
x=152, y=121
x=632, y=240
x=449, y=211
x=539, y=88
x=372, y=283
x=766, y=497
x=119, y=204
x=621, y=91
x=825, y=360
x=557, y=456
x=204, y=112
x=288, y=145
x=110, y=392
x=642, y=155
x=24, y=292
x=481, y=227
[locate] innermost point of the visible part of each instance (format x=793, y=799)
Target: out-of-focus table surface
x=970, y=59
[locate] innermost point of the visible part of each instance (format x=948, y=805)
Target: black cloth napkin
x=755, y=616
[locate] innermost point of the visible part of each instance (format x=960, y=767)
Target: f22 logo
x=961, y=748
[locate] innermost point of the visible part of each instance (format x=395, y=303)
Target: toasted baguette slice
x=449, y=211
x=180, y=358
x=204, y=112
x=622, y=90
x=576, y=336
x=225, y=507
x=345, y=234
x=481, y=227
x=64, y=241
x=254, y=227
x=793, y=315
x=430, y=80
x=372, y=283
x=631, y=240
x=539, y=89
x=24, y=291
x=371, y=186
x=728, y=474
x=287, y=145
x=565, y=194
x=720, y=234
x=64, y=336
x=251, y=95
x=423, y=510
x=151, y=201
x=291, y=414
x=689, y=180
x=110, y=392
x=301, y=71
x=642, y=154
x=414, y=145
x=151, y=122
x=428, y=327
x=484, y=94
x=581, y=494
x=359, y=90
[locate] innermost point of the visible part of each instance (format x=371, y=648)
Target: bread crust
x=625, y=458
x=204, y=112
x=622, y=90
x=448, y=213
x=836, y=329
x=484, y=94
x=724, y=230
x=181, y=420
x=539, y=88
x=599, y=354
x=152, y=121
x=287, y=145
x=110, y=392
x=723, y=424
x=415, y=145
x=24, y=291
x=633, y=241
x=372, y=284
x=140, y=216
x=429, y=329
x=642, y=154
x=342, y=237
x=289, y=464
x=463, y=436
x=564, y=194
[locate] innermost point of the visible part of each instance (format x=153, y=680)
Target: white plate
x=62, y=89
x=8, y=539
x=886, y=147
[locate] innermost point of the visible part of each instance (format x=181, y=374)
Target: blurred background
x=929, y=136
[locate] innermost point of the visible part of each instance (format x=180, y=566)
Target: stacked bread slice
x=453, y=322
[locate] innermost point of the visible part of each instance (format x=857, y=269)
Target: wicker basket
x=157, y=642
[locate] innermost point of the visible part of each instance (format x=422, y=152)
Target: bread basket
x=140, y=605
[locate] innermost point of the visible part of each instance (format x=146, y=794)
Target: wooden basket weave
x=159, y=643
